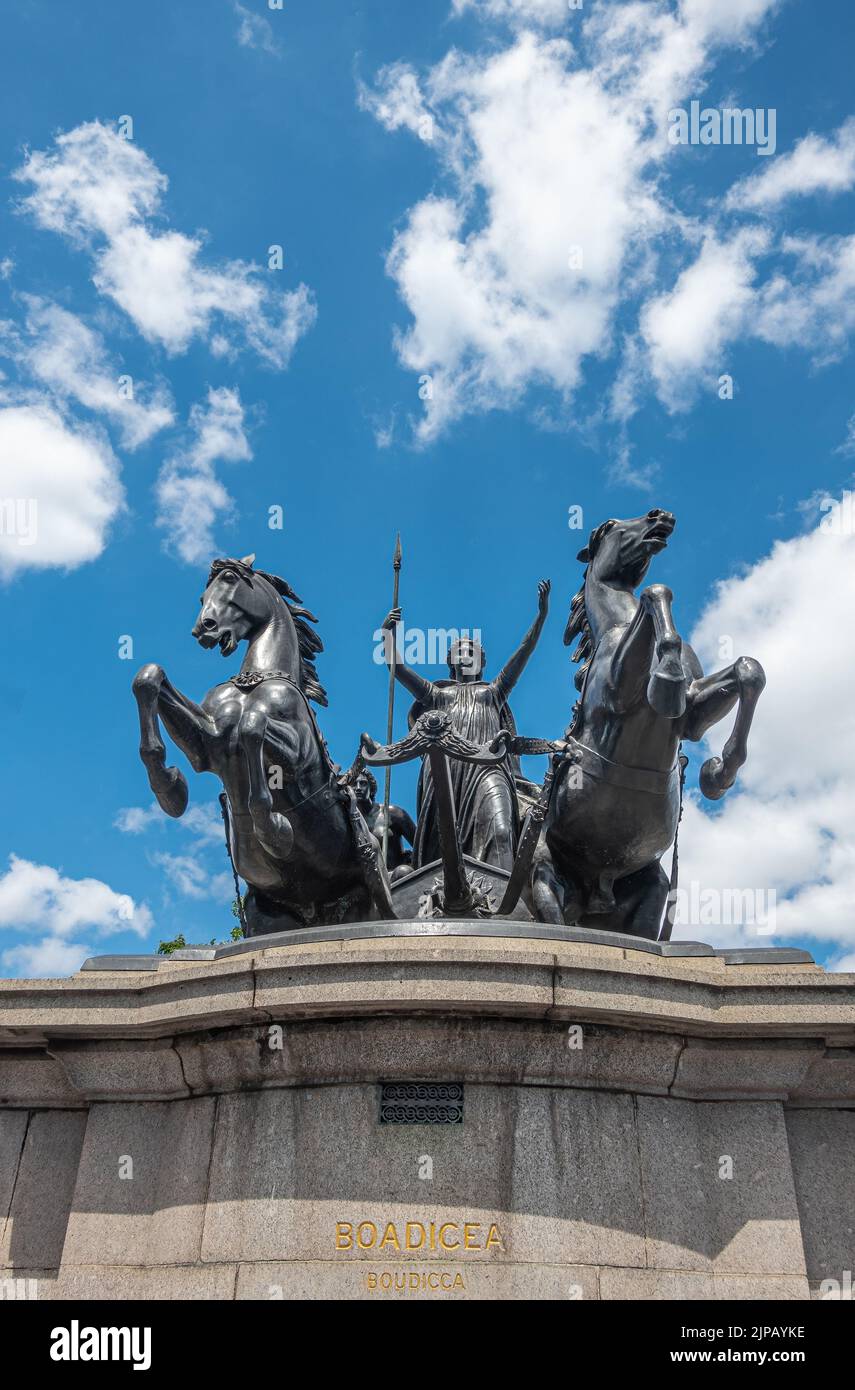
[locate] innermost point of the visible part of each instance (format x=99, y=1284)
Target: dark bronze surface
x=614, y=814
x=583, y=850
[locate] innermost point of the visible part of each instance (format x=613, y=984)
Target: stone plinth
x=635, y=1124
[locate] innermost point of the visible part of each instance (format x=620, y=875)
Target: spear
x=396, y=565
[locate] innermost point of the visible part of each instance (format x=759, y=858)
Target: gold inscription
x=417, y=1235
x=403, y=1281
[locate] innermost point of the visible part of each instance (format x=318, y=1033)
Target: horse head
x=619, y=552
x=243, y=604
x=617, y=557
x=235, y=607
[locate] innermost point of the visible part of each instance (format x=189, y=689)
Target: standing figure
x=484, y=796
x=401, y=825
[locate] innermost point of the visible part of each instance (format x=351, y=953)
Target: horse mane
x=578, y=624
x=308, y=640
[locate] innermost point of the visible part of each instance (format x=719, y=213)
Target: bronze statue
x=485, y=798
x=306, y=839
x=398, y=825
x=614, y=810
x=296, y=834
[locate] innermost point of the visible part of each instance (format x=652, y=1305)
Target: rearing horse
x=614, y=812
x=295, y=833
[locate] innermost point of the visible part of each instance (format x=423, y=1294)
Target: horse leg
x=168, y=783
x=374, y=871
x=547, y=891
x=667, y=686
x=648, y=658
x=711, y=699
x=641, y=899
x=555, y=897
x=273, y=830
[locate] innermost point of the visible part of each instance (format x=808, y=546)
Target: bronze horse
x=295, y=832
x=614, y=810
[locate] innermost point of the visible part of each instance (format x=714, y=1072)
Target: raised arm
x=515, y=665
x=420, y=688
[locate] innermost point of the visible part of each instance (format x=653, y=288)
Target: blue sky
x=427, y=170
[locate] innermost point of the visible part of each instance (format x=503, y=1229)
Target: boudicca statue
x=581, y=849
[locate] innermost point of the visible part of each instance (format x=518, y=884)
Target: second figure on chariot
x=485, y=796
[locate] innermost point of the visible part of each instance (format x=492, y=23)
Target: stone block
x=154, y=1216
x=822, y=1151
x=655, y=1285
x=437, y=1282
x=13, y=1127
x=121, y=1069
x=725, y=1068
x=556, y=1172
x=167, y=1283
x=33, y=1078
x=35, y=1229
x=697, y=1219
x=322, y=1052
x=829, y=1081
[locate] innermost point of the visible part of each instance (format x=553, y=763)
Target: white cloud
x=192, y=879
x=813, y=306
x=549, y=13
x=59, y=351
x=134, y=820
x=36, y=899
x=788, y=823
x=203, y=820
x=49, y=959
x=59, y=489
x=103, y=192
x=255, y=31
x=687, y=328
x=190, y=497
x=817, y=164
x=7, y=265
x=554, y=215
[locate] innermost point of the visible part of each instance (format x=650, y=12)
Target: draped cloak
x=485, y=797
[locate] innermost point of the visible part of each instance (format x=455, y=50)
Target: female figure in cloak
x=484, y=796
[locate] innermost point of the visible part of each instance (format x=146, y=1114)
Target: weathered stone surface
x=830, y=1080
x=760, y=1287
x=500, y=1050
x=419, y=1282
x=822, y=1147
x=13, y=1127
x=154, y=1216
x=33, y=1078
x=646, y=1285
x=568, y=981
x=556, y=1172
x=35, y=1228
x=404, y=976
x=578, y=1171
x=653, y=1285
x=726, y=1069
x=166, y=1283
x=27, y=1285
x=115, y=1070
x=697, y=1219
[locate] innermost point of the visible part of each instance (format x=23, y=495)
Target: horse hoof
x=709, y=780
x=277, y=835
x=666, y=694
x=171, y=791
